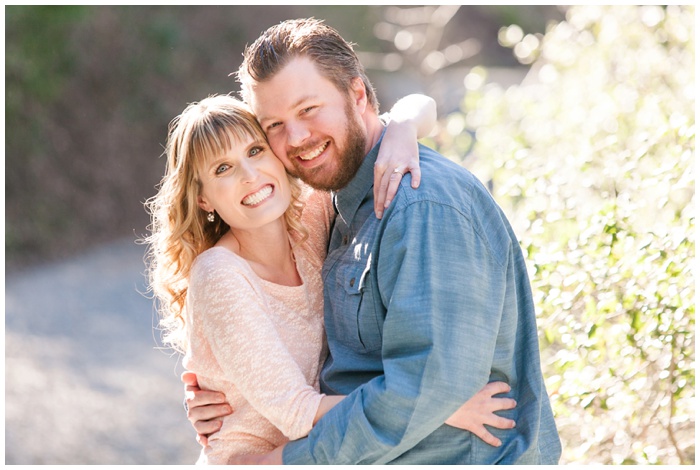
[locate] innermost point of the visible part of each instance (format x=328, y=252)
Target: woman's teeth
x=258, y=197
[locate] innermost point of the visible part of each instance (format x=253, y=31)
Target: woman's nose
x=249, y=171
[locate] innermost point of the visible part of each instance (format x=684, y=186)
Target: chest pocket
x=358, y=325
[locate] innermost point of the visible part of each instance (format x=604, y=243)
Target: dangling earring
x=210, y=217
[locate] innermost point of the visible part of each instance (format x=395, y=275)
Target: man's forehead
x=298, y=81
x=271, y=109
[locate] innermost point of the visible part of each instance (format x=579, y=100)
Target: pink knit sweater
x=260, y=343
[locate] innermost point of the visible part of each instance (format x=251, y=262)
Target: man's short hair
x=278, y=45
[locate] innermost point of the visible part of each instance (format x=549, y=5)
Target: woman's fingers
x=415, y=177
x=483, y=434
x=494, y=388
x=380, y=184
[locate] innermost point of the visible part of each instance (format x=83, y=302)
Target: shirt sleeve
x=233, y=317
x=443, y=291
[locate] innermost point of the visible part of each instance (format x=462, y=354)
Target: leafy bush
x=592, y=158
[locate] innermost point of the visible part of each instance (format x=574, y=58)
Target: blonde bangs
x=217, y=124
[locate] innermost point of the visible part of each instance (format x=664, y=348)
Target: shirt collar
x=349, y=199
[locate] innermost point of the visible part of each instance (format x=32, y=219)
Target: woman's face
x=247, y=186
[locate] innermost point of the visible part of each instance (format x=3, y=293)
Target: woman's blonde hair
x=179, y=227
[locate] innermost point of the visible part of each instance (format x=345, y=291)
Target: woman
x=236, y=256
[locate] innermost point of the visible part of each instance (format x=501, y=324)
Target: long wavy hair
x=179, y=229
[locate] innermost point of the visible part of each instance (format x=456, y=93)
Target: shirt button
x=345, y=240
x=352, y=282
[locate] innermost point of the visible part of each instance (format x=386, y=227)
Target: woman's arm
x=411, y=118
x=472, y=416
x=232, y=327
x=205, y=410
x=419, y=110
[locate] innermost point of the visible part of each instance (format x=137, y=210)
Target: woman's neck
x=268, y=251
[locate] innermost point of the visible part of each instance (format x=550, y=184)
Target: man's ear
x=359, y=94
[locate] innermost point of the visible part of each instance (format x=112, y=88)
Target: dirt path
x=84, y=381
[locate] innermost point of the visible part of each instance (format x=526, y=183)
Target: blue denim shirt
x=422, y=309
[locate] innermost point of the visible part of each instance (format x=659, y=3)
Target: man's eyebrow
x=296, y=104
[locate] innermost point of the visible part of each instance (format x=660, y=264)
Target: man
x=424, y=305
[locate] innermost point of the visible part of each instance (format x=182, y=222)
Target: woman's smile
x=259, y=196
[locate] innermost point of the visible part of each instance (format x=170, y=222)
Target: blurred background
x=580, y=120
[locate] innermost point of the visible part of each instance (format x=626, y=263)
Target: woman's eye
x=255, y=151
x=221, y=168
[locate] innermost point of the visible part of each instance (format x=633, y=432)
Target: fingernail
x=379, y=214
x=414, y=185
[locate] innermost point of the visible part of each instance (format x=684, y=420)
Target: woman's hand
x=204, y=408
x=479, y=411
x=412, y=117
x=398, y=154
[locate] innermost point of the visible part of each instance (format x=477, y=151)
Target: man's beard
x=348, y=161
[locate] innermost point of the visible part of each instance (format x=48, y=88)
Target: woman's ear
x=204, y=204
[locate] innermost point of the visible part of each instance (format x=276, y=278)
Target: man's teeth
x=315, y=153
x=258, y=197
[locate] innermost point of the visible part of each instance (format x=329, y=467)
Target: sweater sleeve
x=231, y=312
x=317, y=218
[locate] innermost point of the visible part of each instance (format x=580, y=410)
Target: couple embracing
x=329, y=310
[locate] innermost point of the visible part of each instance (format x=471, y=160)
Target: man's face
x=312, y=127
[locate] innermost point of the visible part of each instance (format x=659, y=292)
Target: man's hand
x=204, y=408
x=271, y=458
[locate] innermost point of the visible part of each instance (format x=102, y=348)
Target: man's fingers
x=196, y=397
x=207, y=427
x=202, y=439
x=189, y=379
x=206, y=413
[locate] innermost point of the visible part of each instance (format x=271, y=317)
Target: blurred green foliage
x=39, y=61
x=592, y=157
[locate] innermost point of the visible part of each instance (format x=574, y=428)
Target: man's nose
x=297, y=133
